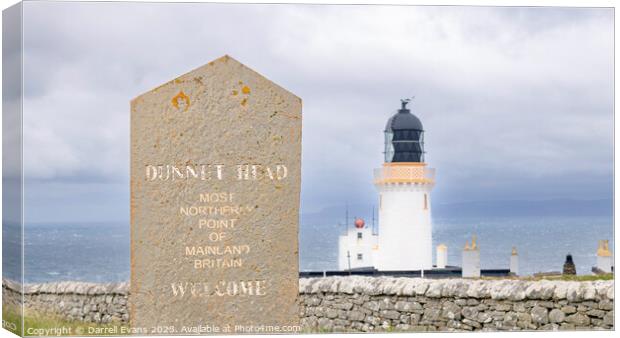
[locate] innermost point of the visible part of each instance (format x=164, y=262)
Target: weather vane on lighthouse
x=406, y=101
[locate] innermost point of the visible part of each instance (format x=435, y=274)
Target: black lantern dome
x=404, y=137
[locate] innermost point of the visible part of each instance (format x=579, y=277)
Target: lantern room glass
x=406, y=145
x=389, y=148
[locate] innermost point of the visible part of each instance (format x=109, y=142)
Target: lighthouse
x=404, y=183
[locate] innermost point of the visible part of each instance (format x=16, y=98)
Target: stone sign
x=215, y=184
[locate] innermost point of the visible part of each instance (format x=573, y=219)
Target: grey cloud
x=510, y=97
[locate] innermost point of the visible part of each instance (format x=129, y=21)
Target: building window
x=425, y=202
x=359, y=235
x=380, y=201
x=360, y=257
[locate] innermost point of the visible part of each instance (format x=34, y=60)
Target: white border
x=503, y=3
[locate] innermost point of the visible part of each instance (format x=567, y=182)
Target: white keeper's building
x=358, y=247
x=404, y=182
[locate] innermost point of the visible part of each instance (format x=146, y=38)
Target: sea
x=99, y=252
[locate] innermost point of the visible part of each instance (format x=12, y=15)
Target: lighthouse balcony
x=414, y=172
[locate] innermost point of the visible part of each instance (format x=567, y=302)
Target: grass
x=576, y=278
x=11, y=320
x=40, y=324
x=583, y=278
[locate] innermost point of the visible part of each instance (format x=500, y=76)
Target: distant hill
x=556, y=207
x=333, y=215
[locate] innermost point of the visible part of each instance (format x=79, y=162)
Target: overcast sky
x=517, y=103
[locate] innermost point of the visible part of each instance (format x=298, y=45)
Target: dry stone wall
x=369, y=304
x=88, y=302
x=372, y=304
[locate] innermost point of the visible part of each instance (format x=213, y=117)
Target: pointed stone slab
x=215, y=184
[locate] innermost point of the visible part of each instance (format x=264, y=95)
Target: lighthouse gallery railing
x=404, y=174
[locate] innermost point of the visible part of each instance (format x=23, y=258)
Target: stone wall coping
x=79, y=288
x=507, y=289
x=501, y=289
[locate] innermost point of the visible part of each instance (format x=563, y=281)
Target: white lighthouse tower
x=404, y=183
